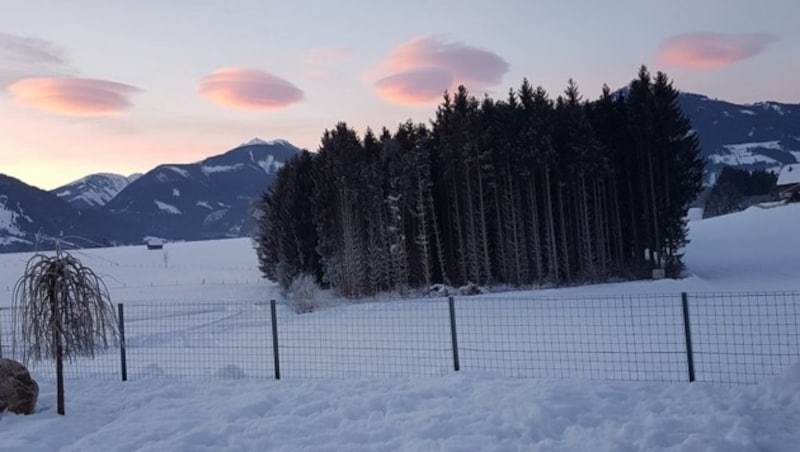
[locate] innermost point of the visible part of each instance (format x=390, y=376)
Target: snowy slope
x=93, y=191
x=10, y=231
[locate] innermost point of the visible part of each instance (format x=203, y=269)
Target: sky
x=92, y=86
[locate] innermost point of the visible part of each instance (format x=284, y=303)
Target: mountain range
x=203, y=200
x=213, y=198
x=764, y=135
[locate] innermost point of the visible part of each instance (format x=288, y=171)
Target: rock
x=18, y=391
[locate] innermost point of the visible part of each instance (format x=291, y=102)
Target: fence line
x=176, y=283
x=728, y=338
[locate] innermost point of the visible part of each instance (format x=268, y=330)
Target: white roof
x=790, y=174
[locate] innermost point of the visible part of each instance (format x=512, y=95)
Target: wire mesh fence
x=729, y=338
x=744, y=337
x=621, y=338
x=198, y=341
x=104, y=365
x=371, y=339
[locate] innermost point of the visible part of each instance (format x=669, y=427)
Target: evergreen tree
x=287, y=239
x=678, y=152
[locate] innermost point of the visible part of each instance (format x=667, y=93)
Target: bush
x=302, y=294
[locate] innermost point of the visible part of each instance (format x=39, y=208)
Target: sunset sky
x=108, y=86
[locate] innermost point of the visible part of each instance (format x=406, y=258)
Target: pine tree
x=678, y=150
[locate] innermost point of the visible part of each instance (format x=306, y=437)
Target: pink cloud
x=421, y=69
x=73, y=96
x=417, y=86
x=705, y=51
x=249, y=89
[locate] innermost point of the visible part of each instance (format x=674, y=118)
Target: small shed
x=789, y=182
x=154, y=244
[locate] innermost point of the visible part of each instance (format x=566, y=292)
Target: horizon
x=83, y=90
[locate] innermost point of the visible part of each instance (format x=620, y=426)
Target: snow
x=180, y=171
x=211, y=169
x=214, y=216
x=175, y=192
x=204, y=204
x=259, y=141
x=790, y=174
x=695, y=214
x=9, y=228
x=458, y=413
x=94, y=190
x=771, y=106
x=269, y=164
x=169, y=208
x=476, y=409
x=742, y=154
x=747, y=112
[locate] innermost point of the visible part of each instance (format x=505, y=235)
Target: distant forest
x=524, y=191
x=736, y=189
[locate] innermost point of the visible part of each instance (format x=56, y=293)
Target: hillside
x=764, y=135
x=30, y=217
x=208, y=199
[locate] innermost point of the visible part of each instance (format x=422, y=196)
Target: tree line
x=738, y=188
x=526, y=191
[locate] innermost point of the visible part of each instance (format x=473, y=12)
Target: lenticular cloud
x=72, y=95
x=705, y=51
x=249, y=89
x=422, y=69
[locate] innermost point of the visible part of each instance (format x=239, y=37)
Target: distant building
x=789, y=182
x=155, y=244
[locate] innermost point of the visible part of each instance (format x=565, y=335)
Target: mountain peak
x=92, y=191
x=258, y=141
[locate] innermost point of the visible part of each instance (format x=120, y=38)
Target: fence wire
x=744, y=337
x=621, y=338
x=736, y=338
x=199, y=341
x=104, y=366
x=401, y=338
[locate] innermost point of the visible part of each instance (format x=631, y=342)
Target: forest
x=526, y=191
x=737, y=189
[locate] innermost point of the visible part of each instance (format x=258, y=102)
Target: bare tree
x=61, y=309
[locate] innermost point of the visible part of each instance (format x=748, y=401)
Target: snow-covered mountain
x=94, y=190
x=208, y=199
x=31, y=218
x=764, y=135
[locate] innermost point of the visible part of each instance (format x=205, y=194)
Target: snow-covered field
x=199, y=310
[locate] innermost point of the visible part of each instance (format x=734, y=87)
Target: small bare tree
x=61, y=309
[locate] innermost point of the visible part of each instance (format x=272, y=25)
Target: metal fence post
x=688, y=333
x=275, y=354
x=453, y=334
x=122, y=355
